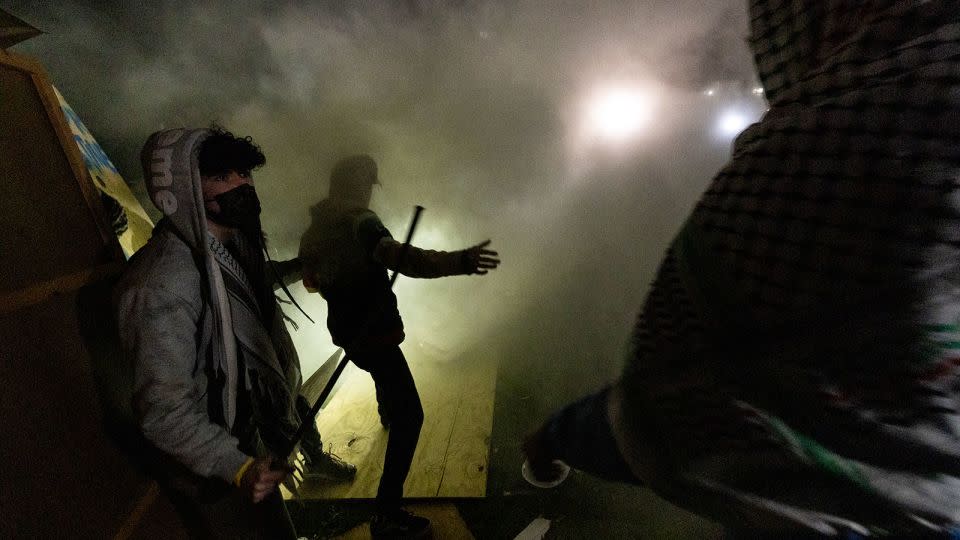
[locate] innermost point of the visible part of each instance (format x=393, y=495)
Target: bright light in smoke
x=607, y=122
x=618, y=113
x=732, y=122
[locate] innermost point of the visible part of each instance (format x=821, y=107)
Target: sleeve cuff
x=241, y=471
x=229, y=465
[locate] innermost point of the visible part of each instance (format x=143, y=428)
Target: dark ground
x=582, y=507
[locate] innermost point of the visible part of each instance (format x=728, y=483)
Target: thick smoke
x=472, y=110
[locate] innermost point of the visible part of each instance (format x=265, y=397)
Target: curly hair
x=222, y=152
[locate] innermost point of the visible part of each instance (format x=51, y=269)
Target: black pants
x=398, y=395
x=311, y=444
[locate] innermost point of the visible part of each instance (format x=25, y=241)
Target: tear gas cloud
x=576, y=135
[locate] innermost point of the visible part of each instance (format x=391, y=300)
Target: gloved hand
x=478, y=260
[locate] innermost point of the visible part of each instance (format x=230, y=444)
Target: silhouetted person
x=346, y=253
x=216, y=376
x=795, y=365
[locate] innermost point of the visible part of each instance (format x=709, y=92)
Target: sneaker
x=399, y=524
x=330, y=467
x=541, y=460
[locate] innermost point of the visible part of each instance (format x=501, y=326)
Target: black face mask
x=239, y=208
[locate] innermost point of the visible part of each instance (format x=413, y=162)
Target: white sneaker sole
x=528, y=475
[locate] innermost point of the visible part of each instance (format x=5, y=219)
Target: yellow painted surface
x=105, y=176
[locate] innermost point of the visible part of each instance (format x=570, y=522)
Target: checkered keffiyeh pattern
x=806, y=321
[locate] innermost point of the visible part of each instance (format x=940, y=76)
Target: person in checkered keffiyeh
x=796, y=364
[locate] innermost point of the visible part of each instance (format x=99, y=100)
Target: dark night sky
x=483, y=112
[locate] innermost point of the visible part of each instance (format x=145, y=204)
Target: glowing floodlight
x=732, y=122
x=618, y=113
x=758, y=91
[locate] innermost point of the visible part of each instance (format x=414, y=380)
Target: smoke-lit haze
x=576, y=135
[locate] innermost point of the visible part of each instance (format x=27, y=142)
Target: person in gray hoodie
x=216, y=378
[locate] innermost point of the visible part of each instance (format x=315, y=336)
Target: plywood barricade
x=64, y=473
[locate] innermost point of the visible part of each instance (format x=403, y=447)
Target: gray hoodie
x=188, y=321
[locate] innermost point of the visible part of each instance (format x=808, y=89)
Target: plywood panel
x=64, y=408
x=48, y=228
x=458, y=410
x=466, y=459
x=55, y=450
x=440, y=389
x=350, y=427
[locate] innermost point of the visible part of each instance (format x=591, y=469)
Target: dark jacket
x=346, y=255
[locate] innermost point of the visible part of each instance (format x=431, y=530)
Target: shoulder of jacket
x=165, y=265
x=365, y=217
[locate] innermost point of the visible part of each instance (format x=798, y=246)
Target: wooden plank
x=129, y=525
x=440, y=388
x=19, y=61
x=313, y=387
x=466, y=457
x=39, y=292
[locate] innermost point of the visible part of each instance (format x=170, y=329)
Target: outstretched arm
x=422, y=263
x=425, y=263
